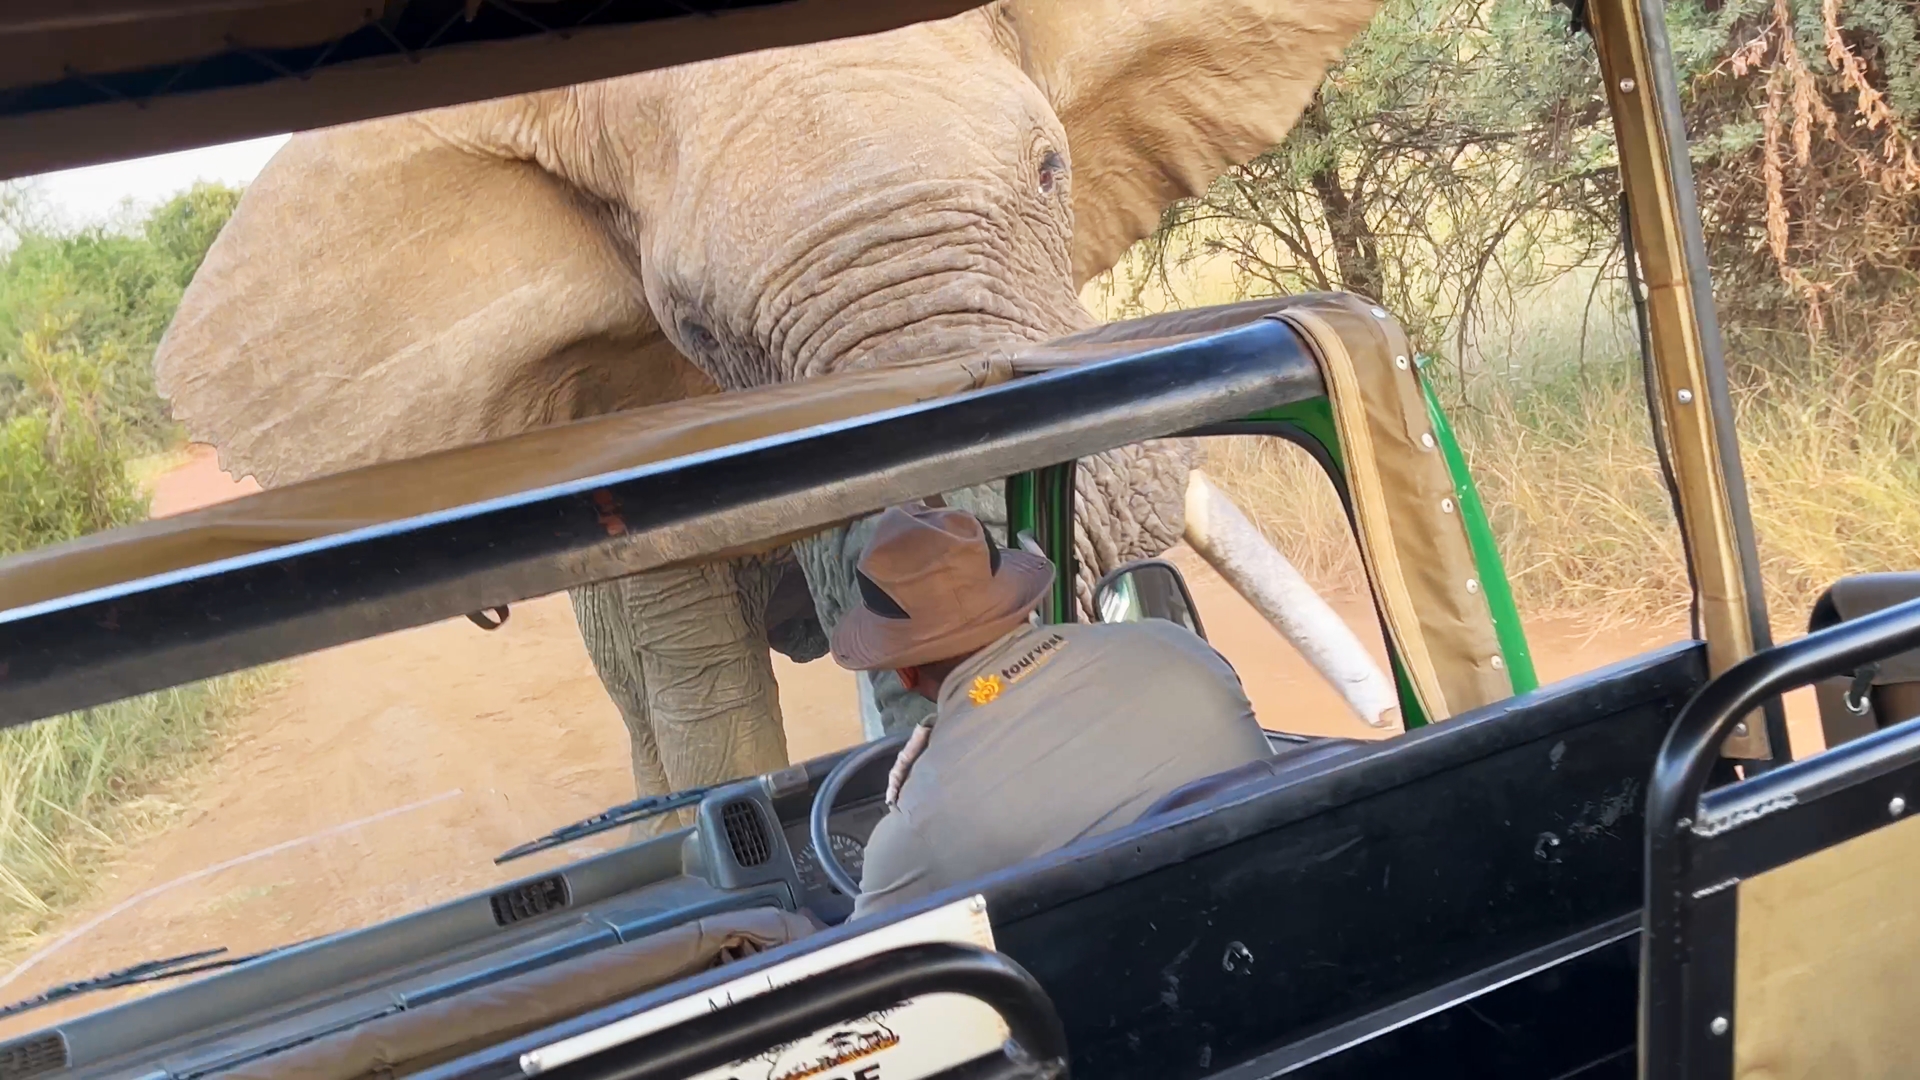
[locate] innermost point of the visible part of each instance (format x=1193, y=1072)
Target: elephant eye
x=1051, y=168
x=698, y=337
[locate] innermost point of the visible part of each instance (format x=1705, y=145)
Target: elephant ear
x=405, y=285
x=1159, y=97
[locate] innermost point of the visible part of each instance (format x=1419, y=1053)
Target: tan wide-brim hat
x=934, y=586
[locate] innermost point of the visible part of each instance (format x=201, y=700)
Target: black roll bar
x=1676, y=821
x=798, y=1009
x=84, y=650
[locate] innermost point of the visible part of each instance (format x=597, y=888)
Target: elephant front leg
x=600, y=611
x=700, y=637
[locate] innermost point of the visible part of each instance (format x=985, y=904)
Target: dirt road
x=383, y=776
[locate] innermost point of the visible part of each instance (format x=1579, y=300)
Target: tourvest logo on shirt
x=984, y=689
x=988, y=687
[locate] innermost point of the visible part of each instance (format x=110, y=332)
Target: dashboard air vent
x=527, y=900
x=36, y=1055
x=746, y=833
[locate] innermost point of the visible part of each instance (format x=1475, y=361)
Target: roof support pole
x=1694, y=415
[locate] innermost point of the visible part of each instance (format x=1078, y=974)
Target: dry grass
x=1574, y=490
x=143, y=471
x=1570, y=480
x=1831, y=460
x=1552, y=414
x=78, y=788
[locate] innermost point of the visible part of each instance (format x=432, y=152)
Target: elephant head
x=402, y=285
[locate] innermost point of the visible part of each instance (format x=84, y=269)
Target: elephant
x=407, y=284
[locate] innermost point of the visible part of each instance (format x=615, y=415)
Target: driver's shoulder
x=1163, y=655
x=1156, y=636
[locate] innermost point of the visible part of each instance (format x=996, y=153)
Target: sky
x=97, y=193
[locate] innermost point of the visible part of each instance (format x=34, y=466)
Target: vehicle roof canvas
x=82, y=84
x=397, y=490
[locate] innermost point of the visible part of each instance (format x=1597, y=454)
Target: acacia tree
x=1457, y=154
x=1802, y=116
x=1461, y=154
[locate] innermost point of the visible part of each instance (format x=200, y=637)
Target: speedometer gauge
x=851, y=853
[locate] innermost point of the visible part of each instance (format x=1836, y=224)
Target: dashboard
x=755, y=832
x=749, y=848
x=848, y=830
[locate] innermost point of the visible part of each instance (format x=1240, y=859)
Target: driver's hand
x=903, y=762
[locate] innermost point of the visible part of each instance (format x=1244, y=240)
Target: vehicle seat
x=1292, y=763
x=416, y=1039
x=1893, y=685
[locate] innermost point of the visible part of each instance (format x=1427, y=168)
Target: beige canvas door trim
x=1411, y=534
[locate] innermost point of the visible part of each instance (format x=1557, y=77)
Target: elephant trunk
x=1220, y=533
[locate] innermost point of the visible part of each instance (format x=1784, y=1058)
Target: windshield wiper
x=611, y=818
x=171, y=967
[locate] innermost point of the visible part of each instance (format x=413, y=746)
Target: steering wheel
x=829, y=793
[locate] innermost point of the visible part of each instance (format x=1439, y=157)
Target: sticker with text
x=918, y=1038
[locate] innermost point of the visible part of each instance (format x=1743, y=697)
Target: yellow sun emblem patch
x=984, y=689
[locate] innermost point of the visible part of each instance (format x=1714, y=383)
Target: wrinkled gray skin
x=404, y=285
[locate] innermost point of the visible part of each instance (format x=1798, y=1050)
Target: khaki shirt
x=1051, y=734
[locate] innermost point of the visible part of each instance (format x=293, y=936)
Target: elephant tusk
x=1221, y=534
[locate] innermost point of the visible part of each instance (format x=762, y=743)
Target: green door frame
x=1041, y=501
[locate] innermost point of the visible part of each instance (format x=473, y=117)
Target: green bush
x=63, y=450
x=80, y=315
x=106, y=295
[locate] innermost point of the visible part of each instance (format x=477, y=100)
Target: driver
x=1042, y=734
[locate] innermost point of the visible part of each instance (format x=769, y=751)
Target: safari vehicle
x=1621, y=872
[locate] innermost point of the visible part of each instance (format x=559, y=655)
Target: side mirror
x=1148, y=589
